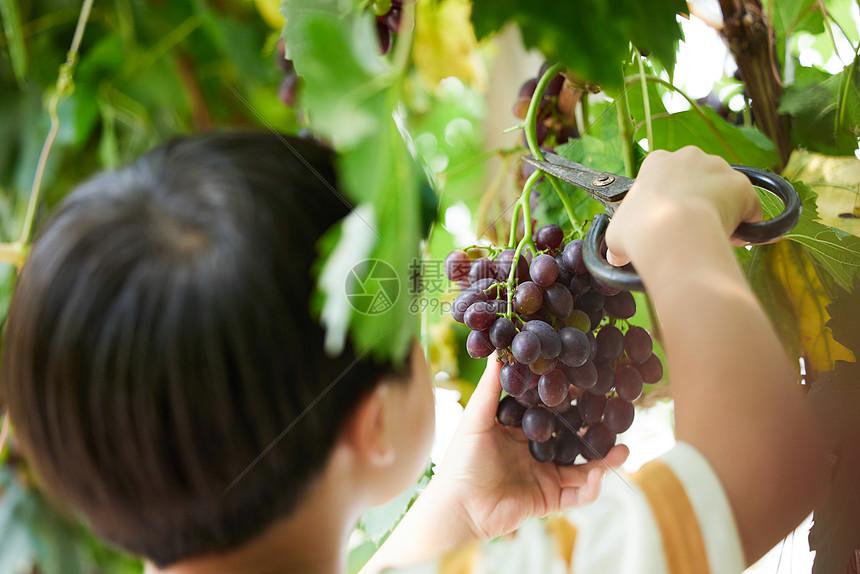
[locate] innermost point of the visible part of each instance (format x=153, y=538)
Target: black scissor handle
x=626, y=277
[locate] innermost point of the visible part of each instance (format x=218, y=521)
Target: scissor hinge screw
x=602, y=180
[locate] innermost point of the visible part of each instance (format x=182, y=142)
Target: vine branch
x=749, y=34
x=65, y=86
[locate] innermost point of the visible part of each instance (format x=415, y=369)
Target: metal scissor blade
x=607, y=188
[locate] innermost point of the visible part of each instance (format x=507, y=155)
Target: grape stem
x=523, y=204
x=646, y=101
x=530, y=125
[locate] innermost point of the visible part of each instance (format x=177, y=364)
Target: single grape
x=575, y=347
x=478, y=345
x=554, y=86
x=528, y=298
x=579, y=285
x=590, y=301
x=502, y=332
x=598, y=440
x=549, y=237
x=565, y=134
x=482, y=268
x=498, y=305
x=564, y=405
x=569, y=421
x=528, y=88
x=538, y=423
x=578, y=319
x=572, y=257
x=552, y=388
x=618, y=415
x=521, y=107
x=529, y=398
x=510, y=412
x=480, y=316
x=457, y=265
x=525, y=347
x=541, y=366
x=543, y=270
x=568, y=446
x=550, y=343
x=564, y=276
x=380, y=7
x=465, y=300
x=541, y=132
x=542, y=451
x=651, y=370
x=593, y=340
x=591, y=407
x=515, y=379
x=558, y=300
x=595, y=317
x=628, y=383
x=491, y=287
x=503, y=266
x=638, y=344
x=620, y=306
x=605, y=379
x=384, y=37
x=604, y=288
x=392, y=19
x=610, y=343
x=582, y=377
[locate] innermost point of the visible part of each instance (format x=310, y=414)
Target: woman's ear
x=368, y=431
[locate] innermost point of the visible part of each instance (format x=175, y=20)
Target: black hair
x=159, y=340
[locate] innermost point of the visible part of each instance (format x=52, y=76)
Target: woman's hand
x=672, y=186
x=489, y=471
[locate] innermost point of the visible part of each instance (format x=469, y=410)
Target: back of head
x=159, y=340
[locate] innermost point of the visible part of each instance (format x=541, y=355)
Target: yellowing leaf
x=836, y=180
x=270, y=10
x=445, y=43
x=806, y=295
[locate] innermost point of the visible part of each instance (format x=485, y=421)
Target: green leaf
x=345, y=82
x=591, y=37
x=34, y=535
x=704, y=128
x=12, y=29
x=824, y=110
x=350, y=94
x=836, y=182
x=790, y=16
x=836, y=251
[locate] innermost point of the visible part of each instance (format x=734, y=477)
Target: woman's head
x=159, y=342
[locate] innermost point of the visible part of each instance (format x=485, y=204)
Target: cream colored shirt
x=670, y=517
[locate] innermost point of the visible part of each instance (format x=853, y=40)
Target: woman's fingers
x=481, y=410
x=584, y=494
x=576, y=475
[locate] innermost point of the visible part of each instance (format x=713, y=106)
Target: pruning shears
x=610, y=189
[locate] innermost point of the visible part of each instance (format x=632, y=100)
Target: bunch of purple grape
x=572, y=364
x=555, y=117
